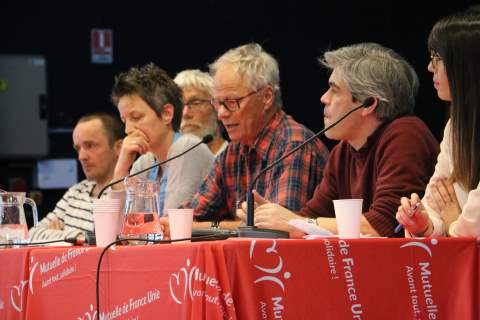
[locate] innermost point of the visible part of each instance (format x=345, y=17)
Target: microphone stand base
x=253, y=232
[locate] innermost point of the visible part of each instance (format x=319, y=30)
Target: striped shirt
x=290, y=183
x=74, y=211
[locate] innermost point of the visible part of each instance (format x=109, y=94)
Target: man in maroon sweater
x=384, y=152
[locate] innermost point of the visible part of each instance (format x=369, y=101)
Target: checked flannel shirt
x=290, y=183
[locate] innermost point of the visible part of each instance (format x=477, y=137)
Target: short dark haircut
x=154, y=86
x=111, y=124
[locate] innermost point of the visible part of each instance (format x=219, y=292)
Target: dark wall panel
x=181, y=34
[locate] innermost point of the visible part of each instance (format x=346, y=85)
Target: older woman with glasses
x=452, y=198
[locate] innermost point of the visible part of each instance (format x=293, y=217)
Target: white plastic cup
x=348, y=213
x=107, y=218
x=180, y=221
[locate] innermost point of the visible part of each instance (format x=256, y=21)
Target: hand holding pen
x=413, y=210
x=412, y=216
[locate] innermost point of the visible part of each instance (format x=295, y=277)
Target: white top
x=468, y=223
x=222, y=147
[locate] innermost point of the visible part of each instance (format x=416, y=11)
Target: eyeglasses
x=232, y=104
x=198, y=103
x=434, y=59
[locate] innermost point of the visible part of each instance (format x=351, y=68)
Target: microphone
x=250, y=231
x=206, y=139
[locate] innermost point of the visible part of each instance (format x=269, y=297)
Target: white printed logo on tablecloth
x=181, y=286
x=344, y=270
x=16, y=295
x=56, y=265
x=89, y=315
x=276, y=276
x=133, y=304
x=422, y=291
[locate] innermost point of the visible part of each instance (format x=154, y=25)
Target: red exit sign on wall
x=102, y=45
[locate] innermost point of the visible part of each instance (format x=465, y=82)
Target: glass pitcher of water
x=13, y=225
x=141, y=211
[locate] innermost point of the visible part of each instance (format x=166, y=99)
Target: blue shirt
x=163, y=179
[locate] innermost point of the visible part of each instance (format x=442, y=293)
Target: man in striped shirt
x=97, y=138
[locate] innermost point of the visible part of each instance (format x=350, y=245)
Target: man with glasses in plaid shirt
x=248, y=101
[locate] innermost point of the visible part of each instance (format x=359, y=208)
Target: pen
x=413, y=210
x=398, y=228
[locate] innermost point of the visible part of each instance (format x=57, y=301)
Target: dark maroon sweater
x=397, y=159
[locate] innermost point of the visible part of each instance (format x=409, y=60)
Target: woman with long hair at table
x=451, y=205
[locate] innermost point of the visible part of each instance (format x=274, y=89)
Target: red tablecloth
x=14, y=282
x=247, y=279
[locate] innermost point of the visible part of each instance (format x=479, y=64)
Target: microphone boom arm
x=205, y=139
x=250, y=200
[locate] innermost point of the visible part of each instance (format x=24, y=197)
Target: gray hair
x=257, y=67
x=195, y=78
x=371, y=70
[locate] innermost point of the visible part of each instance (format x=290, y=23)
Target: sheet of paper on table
x=310, y=229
